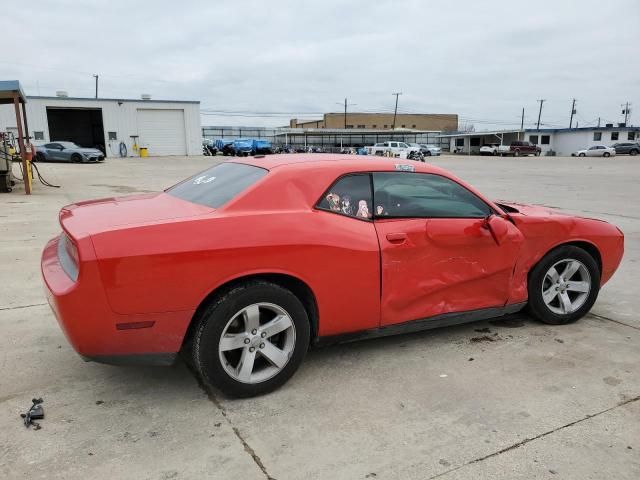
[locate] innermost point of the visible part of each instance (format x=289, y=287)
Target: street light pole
x=96, y=77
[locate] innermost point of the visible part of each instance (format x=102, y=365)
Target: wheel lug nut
x=252, y=349
x=254, y=331
x=263, y=334
x=246, y=340
x=262, y=345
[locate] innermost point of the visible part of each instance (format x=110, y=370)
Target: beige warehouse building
x=382, y=121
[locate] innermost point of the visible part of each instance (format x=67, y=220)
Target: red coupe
x=247, y=264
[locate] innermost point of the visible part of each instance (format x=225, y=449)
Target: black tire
x=75, y=158
x=214, y=319
x=428, y=154
x=582, y=155
x=606, y=154
x=516, y=153
x=538, y=308
x=537, y=154
x=633, y=152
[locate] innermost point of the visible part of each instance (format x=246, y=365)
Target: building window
x=597, y=136
x=38, y=135
x=113, y=136
x=545, y=139
x=475, y=141
x=374, y=126
x=403, y=126
x=615, y=135
x=459, y=142
x=349, y=126
x=361, y=126
x=631, y=135
x=386, y=126
x=533, y=139
x=413, y=126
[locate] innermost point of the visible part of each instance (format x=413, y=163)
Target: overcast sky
x=484, y=60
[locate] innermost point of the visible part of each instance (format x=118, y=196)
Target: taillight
x=68, y=256
x=72, y=250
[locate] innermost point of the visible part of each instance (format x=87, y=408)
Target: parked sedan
x=67, y=152
x=627, y=148
x=596, y=151
x=245, y=265
x=429, y=149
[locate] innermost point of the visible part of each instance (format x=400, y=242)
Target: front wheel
x=606, y=154
x=581, y=155
x=633, y=152
x=563, y=286
x=252, y=339
x=516, y=153
x=75, y=158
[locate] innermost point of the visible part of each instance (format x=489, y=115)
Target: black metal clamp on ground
x=36, y=412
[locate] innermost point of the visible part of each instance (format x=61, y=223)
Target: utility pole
x=96, y=77
x=345, y=110
x=521, y=125
x=626, y=112
x=395, y=112
x=542, y=100
x=573, y=112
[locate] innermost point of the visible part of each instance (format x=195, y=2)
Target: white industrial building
x=552, y=141
x=165, y=127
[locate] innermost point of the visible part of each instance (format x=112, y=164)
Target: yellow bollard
x=144, y=151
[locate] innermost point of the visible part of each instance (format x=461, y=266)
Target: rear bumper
x=94, y=330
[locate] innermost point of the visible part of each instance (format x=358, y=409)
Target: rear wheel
x=633, y=152
x=563, y=286
x=75, y=158
x=252, y=339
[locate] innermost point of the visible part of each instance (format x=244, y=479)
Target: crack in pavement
x=247, y=448
x=542, y=435
x=600, y=317
x=23, y=306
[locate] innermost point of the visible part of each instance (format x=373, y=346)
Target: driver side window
x=418, y=195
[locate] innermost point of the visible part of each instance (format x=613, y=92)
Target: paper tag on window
x=405, y=168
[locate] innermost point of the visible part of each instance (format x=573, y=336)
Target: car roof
x=338, y=163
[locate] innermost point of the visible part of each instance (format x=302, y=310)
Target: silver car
x=596, y=151
x=67, y=152
x=429, y=149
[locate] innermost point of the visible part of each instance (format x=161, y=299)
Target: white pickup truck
x=394, y=149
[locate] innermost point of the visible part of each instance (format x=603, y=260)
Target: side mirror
x=498, y=228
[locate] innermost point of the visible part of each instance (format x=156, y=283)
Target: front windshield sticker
x=405, y=168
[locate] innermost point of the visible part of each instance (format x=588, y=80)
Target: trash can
x=144, y=151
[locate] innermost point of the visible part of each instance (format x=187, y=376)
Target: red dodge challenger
x=248, y=263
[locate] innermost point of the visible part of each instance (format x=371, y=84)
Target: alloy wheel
x=566, y=286
x=257, y=343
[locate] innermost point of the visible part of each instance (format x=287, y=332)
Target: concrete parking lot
x=504, y=399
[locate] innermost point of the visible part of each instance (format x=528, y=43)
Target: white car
x=492, y=149
x=596, y=151
x=395, y=149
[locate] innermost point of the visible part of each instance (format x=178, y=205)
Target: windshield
x=68, y=145
x=218, y=185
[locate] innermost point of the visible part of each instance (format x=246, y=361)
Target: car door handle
x=396, y=237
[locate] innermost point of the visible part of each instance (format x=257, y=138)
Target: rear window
x=218, y=185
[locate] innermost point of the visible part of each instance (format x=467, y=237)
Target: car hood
x=528, y=209
x=95, y=216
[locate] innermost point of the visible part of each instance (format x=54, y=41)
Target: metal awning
x=10, y=89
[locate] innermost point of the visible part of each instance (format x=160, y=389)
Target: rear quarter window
x=218, y=185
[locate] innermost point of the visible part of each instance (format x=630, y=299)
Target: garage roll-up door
x=162, y=131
